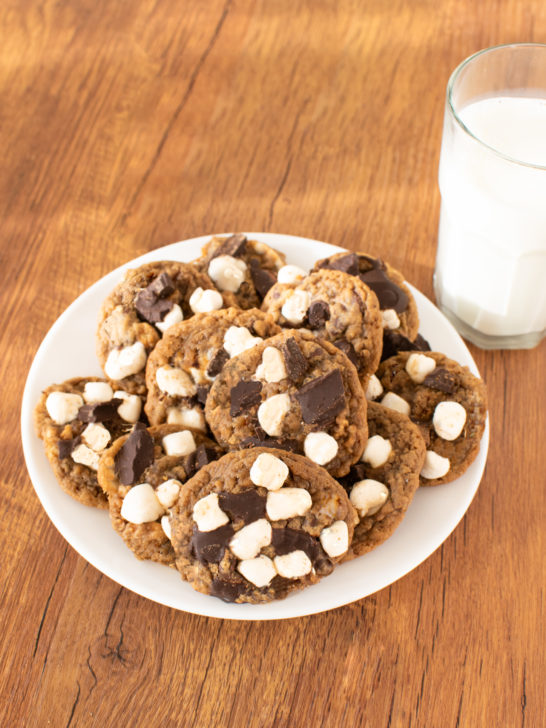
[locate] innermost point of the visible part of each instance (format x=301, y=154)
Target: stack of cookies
x=257, y=423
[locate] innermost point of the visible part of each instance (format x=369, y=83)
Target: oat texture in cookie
x=77, y=420
x=398, y=307
x=295, y=392
x=445, y=400
x=244, y=268
x=143, y=473
x=381, y=486
x=148, y=301
x=336, y=307
x=259, y=524
x=185, y=363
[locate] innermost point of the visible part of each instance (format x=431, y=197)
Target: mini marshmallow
x=126, y=361
x=83, y=455
x=295, y=307
x=367, y=496
x=248, y=541
x=166, y=526
x=130, y=407
x=96, y=436
x=377, y=451
x=448, y=420
x=141, y=505
x=293, y=564
x=97, y=392
x=187, y=417
x=335, y=538
x=287, y=503
x=395, y=402
x=435, y=466
x=238, y=339
x=374, y=388
x=167, y=492
x=174, y=316
x=272, y=412
x=205, y=300
x=199, y=376
x=272, y=368
x=320, y=447
x=175, y=382
x=179, y=443
x=418, y=366
x=208, y=515
x=290, y=274
x=269, y=471
x=63, y=407
x=258, y=571
x=390, y=319
x=227, y=272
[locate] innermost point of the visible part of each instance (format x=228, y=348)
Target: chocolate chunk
x=216, y=364
x=442, y=380
x=346, y=264
x=281, y=443
x=244, y=395
x=348, y=349
x=262, y=279
x=201, y=456
x=228, y=591
x=162, y=286
x=294, y=359
x=209, y=546
x=247, y=505
x=135, y=455
x=388, y=293
x=99, y=411
x=150, y=308
x=322, y=399
x=66, y=447
x=356, y=473
x=235, y=246
x=318, y=314
x=393, y=342
x=285, y=540
x=421, y=343
x=202, y=393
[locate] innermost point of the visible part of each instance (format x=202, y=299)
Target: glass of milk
x=490, y=277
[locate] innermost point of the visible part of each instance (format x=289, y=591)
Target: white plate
x=68, y=351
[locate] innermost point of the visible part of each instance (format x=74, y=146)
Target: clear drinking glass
x=490, y=277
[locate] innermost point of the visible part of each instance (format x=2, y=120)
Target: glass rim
x=451, y=84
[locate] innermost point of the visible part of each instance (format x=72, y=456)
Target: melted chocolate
x=247, y=505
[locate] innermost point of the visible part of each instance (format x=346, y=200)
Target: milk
x=491, y=263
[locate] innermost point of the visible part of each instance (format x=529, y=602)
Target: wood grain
x=129, y=125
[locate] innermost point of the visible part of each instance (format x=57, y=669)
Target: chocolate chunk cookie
x=383, y=484
x=143, y=474
x=336, y=307
x=259, y=524
x=398, y=307
x=446, y=401
x=141, y=308
x=295, y=392
x=244, y=268
x=78, y=420
x=190, y=356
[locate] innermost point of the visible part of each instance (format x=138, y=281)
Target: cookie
x=259, y=524
x=244, y=268
x=143, y=473
x=141, y=308
x=382, y=485
x=183, y=365
x=398, y=307
x=294, y=392
x=446, y=401
x=78, y=420
x=336, y=307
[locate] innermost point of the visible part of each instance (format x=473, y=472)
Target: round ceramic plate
x=68, y=350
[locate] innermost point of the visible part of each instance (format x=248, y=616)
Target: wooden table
x=129, y=125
